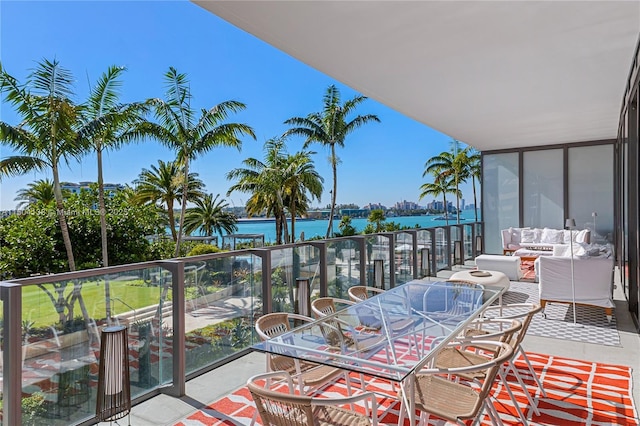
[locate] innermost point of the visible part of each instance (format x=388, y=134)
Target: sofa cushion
x=568, y=234
x=552, y=236
x=581, y=236
x=528, y=236
x=516, y=235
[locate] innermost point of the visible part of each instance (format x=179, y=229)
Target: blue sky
x=381, y=162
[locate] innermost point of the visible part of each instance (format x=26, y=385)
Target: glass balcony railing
x=186, y=316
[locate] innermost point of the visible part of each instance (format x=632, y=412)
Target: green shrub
x=203, y=249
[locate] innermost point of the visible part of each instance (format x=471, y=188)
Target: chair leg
x=512, y=396
x=533, y=404
x=533, y=372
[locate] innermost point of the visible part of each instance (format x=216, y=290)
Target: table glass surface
x=389, y=335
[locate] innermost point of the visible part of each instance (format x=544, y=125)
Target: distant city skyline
x=380, y=163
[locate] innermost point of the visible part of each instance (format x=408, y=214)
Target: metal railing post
x=12, y=354
x=178, y=386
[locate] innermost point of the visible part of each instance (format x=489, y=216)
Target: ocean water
x=312, y=228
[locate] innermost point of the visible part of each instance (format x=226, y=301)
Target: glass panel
x=468, y=246
x=283, y=279
x=442, y=249
x=342, y=266
x=221, y=296
x=500, y=195
x=378, y=250
x=61, y=325
x=424, y=252
x=591, y=190
x=404, y=257
x=543, y=189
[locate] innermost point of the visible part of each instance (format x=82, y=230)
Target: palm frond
x=18, y=165
x=104, y=96
x=51, y=80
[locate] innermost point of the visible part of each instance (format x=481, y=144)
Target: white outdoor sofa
x=533, y=242
x=593, y=277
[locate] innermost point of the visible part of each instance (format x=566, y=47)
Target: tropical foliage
x=282, y=182
x=209, y=216
x=48, y=133
x=116, y=120
x=40, y=191
x=37, y=229
x=449, y=170
x=330, y=128
x=179, y=129
x=162, y=185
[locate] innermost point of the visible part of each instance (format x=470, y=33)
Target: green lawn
x=38, y=307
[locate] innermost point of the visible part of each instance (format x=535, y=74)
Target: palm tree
x=330, y=127
x=452, y=164
x=264, y=181
x=163, y=184
x=299, y=178
x=40, y=191
x=209, y=216
x=116, y=119
x=376, y=217
x=346, y=227
x=442, y=185
x=178, y=129
x=474, y=170
x=47, y=134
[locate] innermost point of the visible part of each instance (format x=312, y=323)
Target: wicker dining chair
x=437, y=393
x=307, y=375
x=502, y=330
x=284, y=408
x=360, y=293
x=524, y=312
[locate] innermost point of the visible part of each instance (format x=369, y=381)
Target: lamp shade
x=570, y=223
x=114, y=393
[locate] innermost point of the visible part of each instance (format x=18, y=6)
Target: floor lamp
x=594, y=215
x=571, y=223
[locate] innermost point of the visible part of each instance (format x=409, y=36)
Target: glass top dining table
x=390, y=335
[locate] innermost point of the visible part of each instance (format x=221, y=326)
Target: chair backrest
x=284, y=408
x=497, y=329
x=279, y=408
x=323, y=306
x=458, y=297
x=502, y=355
x=359, y=293
x=520, y=311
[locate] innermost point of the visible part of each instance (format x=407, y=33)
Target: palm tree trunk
x=62, y=219
x=103, y=234
x=446, y=210
x=183, y=208
x=172, y=220
x=285, y=226
x=457, y=203
x=278, y=230
x=334, y=168
x=475, y=201
x=292, y=209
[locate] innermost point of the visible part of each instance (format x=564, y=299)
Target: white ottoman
x=494, y=279
x=508, y=265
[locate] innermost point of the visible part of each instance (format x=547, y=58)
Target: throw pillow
x=552, y=236
x=581, y=237
x=528, y=236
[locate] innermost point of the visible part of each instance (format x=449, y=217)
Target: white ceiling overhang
x=494, y=74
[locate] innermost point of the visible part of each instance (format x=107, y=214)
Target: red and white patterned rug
x=578, y=393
